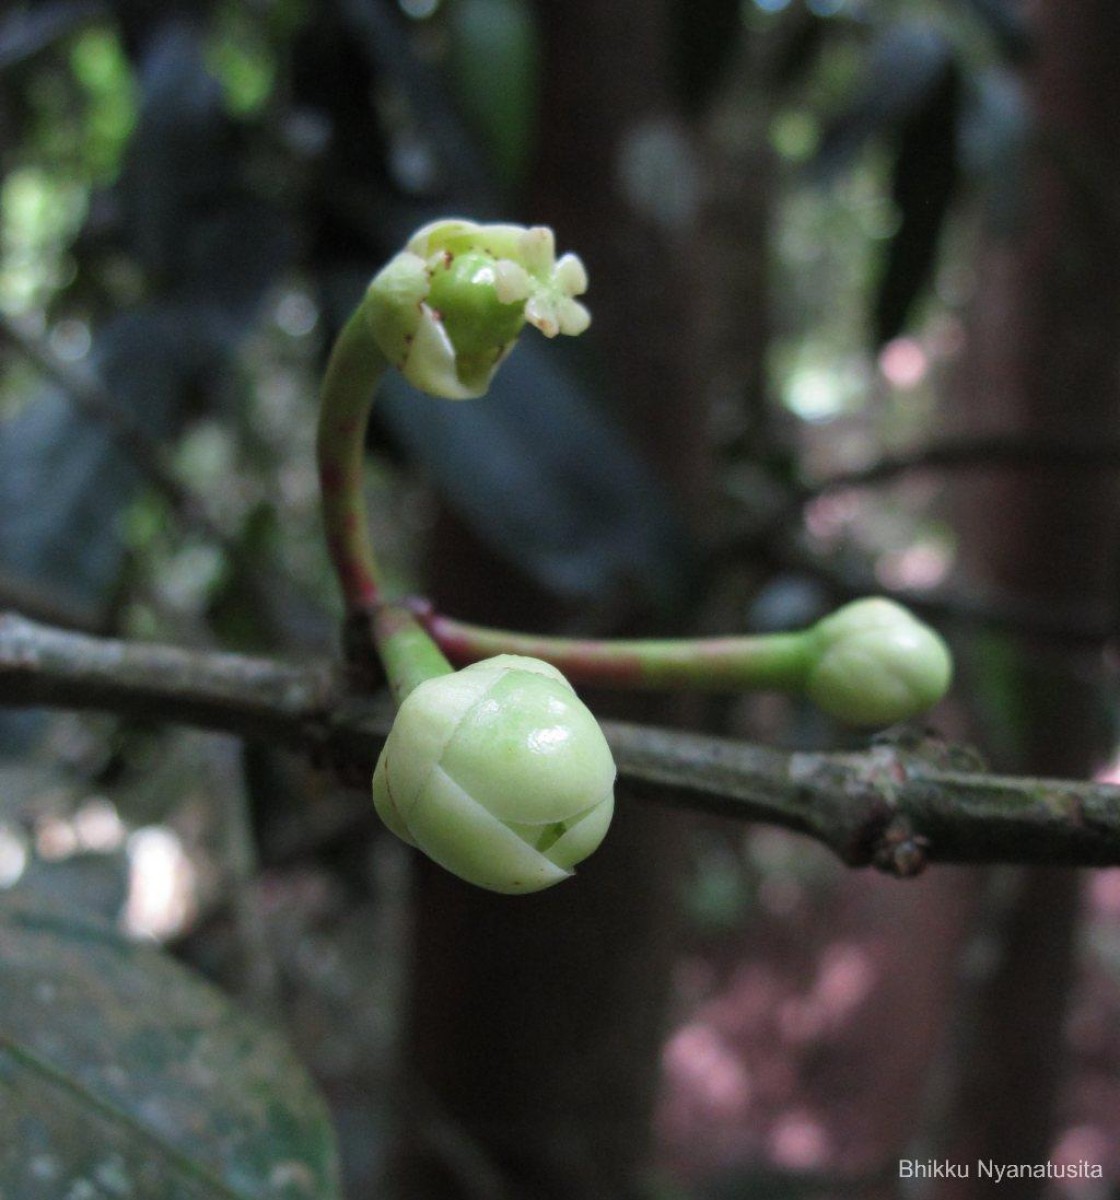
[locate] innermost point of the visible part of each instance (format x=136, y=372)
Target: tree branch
x=766, y=537
x=85, y=390
x=997, y=451
x=1079, y=626
x=906, y=800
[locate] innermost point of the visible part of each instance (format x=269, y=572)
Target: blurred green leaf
x=101, y=67
x=924, y=180
x=123, y=1075
x=904, y=64
x=495, y=66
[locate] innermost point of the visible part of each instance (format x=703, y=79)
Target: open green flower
x=499, y=773
x=874, y=663
x=448, y=309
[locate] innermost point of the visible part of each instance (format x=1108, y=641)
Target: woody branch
x=905, y=800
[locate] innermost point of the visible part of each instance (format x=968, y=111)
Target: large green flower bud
x=448, y=309
x=873, y=663
x=499, y=773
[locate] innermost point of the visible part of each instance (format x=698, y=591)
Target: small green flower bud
x=499, y=773
x=874, y=663
x=448, y=309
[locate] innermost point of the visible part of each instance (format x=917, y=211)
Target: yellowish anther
x=511, y=281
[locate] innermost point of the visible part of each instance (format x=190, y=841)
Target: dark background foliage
x=852, y=265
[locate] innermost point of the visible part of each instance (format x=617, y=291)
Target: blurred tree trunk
x=535, y=1022
x=1044, y=359
x=619, y=177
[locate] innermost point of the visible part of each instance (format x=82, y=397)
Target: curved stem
x=410, y=655
x=484, y=283
x=777, y=662
x=353, y=372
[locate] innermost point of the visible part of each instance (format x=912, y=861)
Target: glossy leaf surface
x=121, y=1074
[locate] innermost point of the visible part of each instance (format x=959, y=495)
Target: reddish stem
x=353, y=370
x=777, y=661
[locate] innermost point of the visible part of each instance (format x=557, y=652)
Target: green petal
x=393, y=305
x=877, y=664
x=431, y=364
x=426, y=722
x=459, y=834
x=530, y=751
x=584, y=836
x=385, y=804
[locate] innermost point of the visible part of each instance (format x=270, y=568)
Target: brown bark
x=1044, y=357
x=897, y=804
